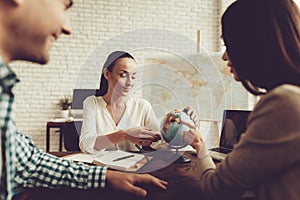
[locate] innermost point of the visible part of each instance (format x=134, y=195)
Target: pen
x=141, y=151
x=139, y=148
x=122, y=158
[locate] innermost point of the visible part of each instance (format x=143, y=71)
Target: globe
x=172, y=128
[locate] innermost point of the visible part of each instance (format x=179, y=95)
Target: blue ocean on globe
x=172, y=128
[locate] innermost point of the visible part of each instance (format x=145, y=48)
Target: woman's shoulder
x=140, y=102
x=278, y=111
x=93, y=99
x=286, y=89
x=285, y=93
x=282, y=97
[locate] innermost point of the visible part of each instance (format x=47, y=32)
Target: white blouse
x=98, y=121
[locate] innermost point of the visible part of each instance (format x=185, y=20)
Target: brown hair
x=262, y=38
x=109, y=65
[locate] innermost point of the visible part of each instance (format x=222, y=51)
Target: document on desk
x=80, y=157
x=117, y=159
x=120, y=160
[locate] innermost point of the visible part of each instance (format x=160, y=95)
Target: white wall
x=93, y=23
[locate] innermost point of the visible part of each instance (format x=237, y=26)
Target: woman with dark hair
x=262, y=39
x=112, y=119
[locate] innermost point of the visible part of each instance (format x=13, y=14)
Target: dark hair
x=109, y=65
x=262, y=38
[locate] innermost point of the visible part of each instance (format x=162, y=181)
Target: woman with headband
x=112, y=119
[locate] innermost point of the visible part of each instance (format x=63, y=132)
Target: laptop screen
x=233, y=125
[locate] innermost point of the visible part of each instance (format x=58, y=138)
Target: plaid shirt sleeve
x=35, y=168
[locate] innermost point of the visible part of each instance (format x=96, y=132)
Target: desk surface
x=183, y=183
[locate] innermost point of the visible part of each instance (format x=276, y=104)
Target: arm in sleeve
x=151, y=121
x=35, y=168
x=272, y=132
x=88, y=131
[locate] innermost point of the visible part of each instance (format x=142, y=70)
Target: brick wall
x=93, y=23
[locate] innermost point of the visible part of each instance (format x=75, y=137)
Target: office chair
x=71, y=133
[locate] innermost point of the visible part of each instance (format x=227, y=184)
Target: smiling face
x=34, y=26
x=121, y=79
x=225, y=57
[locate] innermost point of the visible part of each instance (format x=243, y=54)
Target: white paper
x=80, y=157
x=108, y=157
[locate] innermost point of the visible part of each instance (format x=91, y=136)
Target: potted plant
x=65, y=105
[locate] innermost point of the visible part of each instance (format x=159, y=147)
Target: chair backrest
x=79, y=95
x=71, y=133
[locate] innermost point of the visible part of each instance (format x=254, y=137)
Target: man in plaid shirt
x=27, y=30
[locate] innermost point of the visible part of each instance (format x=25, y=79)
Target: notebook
x=121, y=160
x=117, y=159
x=233, y=125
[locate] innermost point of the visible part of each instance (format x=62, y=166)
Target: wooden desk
x=183, y=183
x=182, y=180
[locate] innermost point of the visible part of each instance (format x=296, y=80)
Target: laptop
x=233, y=126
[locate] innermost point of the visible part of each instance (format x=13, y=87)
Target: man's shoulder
x=21, y=136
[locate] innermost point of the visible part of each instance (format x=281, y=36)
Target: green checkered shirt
x=27, y=166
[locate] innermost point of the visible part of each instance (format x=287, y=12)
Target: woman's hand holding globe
x=172, y=128
x=193, y=136
x=193, y=115
x=180, y=128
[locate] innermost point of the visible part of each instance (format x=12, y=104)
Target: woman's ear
x=106, y=73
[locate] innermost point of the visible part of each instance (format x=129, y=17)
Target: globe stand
x=176, y=157
x=182, y=158
x=172, y=130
